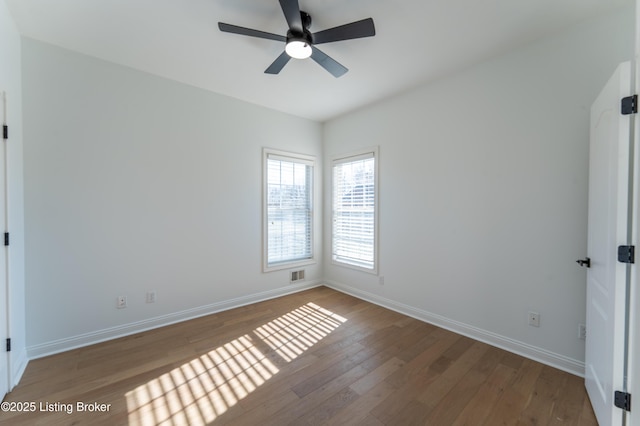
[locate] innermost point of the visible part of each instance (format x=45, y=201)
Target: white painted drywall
x=483, y=191
x=136, y=183
x=11, y=83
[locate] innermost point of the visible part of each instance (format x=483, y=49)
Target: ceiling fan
x=300, y=42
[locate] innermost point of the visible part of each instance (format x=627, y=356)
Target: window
x=288, y=209
x=355, y=200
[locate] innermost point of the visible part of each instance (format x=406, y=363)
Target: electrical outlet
x=582, y=331
x=381, y=279
x=151, y=297
x=121, y=302
x=534, y=319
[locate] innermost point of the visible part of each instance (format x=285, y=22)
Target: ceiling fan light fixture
x=298, y=48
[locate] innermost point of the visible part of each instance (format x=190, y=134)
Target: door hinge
x=626, y=254
x=6, y=238
x=8, y=345
x=5, y=132
x=629, y=105
x=622, y=400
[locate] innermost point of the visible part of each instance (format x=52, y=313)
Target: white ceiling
x=416, y=41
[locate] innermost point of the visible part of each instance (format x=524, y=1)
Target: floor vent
x=297, y=275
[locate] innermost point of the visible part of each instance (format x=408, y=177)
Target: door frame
x=4, y=276
x=633, y=364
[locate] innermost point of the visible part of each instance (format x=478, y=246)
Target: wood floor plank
x=292, y=412
x=438, y=342
x=327, y=409
x=365, y=383
x=396, y=403
x=526, y=377
x=336, y=369
x=370, y=421
x=256, y=412
x=587, y=416
x=454, y=402
x=450, y=377
x=568, y=406
x=360, y=409
x=482, y=404
x=507, y=410
x=543, y=397
x=314, y=357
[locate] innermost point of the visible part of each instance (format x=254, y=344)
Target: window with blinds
x=288, y=209
x=354, y=202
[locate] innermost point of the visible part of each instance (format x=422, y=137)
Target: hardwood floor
x=315, y=357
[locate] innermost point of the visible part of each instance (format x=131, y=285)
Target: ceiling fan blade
x=291, y=10
x=358, y=29
x=228, y=28
x=328, y=63
x=278, y=64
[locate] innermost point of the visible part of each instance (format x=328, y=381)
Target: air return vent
x=297, y=275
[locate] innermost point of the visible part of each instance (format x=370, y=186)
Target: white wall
x=136, y=183
x=11, y=83
x=483, y=192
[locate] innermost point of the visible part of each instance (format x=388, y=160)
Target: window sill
x=288, y=265
x=373, y=271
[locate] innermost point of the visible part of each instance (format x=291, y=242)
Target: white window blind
x=354, y=210
x=289, y=214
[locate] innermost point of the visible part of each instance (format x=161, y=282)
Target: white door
x=608, y=229
x=4, y=285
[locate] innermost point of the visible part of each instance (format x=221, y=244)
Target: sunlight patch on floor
x=199, y=391
x=293, y=333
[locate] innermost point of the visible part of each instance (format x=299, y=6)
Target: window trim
x=346, y=158
x=309, y=160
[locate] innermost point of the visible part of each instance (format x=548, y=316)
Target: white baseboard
x=529, y=351
x=526, y=350
x=62, y=345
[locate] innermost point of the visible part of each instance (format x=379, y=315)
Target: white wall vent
x=297, y=275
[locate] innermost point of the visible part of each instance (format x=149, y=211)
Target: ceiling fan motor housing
x=305, y=35
x=306, y=20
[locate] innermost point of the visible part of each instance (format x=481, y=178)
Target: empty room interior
x=204, y=229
